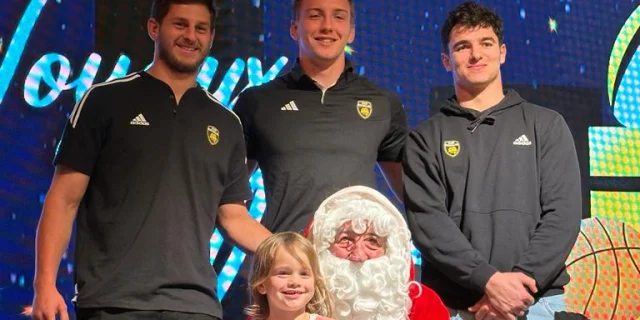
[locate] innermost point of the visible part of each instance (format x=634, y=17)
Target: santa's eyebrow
x=372, y=235
x=344, y=230
x=351, y=232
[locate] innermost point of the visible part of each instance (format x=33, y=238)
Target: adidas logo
x=291, y=106
x=139, y=120
x=522, y=141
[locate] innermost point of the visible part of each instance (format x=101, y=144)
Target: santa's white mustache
x=367, y=290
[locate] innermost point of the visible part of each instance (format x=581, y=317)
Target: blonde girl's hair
x=321, y=302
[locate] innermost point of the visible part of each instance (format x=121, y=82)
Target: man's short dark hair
x=295, y=10
x=160, y=8
x=471, y=15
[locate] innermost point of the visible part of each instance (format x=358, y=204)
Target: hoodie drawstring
x=485, y=118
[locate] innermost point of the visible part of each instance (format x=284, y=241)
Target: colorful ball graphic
x=605, y=271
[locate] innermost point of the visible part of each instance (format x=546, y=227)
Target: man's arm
x=561, y=201
x=391, y=149
x=433, y=231
x=75, y=159
x=392, y=173
x=52, y=238
x=241, y=227
x=245, y=109
x=233, y=216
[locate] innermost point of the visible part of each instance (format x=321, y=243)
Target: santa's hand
x=483, y=310
x=507, y=292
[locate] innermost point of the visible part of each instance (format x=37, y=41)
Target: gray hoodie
x=490, y=191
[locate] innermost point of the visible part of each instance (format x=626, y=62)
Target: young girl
x=285, y=283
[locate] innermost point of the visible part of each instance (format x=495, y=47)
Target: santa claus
x=363, y=245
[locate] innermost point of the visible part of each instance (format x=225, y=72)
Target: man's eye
x=346, y=241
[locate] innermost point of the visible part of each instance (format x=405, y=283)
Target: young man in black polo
x=148, y=162
x=320, y=127
x=492, y=186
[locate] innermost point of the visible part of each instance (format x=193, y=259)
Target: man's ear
x=293, y=30
x=213, y=36
x=503, y=53
x=153, y=28
x=352, y=34
x=446, y=62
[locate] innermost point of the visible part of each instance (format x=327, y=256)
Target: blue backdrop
x=53, y=50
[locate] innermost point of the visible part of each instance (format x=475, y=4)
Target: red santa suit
x=425, y=303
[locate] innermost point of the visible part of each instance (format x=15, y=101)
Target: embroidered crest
x=365, y=108
x=451, y=147
x=213, y=135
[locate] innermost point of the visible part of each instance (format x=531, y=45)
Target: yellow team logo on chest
x=213, y=134
x=365, y=108
x=451, y=147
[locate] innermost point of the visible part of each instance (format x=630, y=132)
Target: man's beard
x=172, y=61
x=373, y=289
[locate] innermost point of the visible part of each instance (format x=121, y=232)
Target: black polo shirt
x=310, y=142
x=159, y=170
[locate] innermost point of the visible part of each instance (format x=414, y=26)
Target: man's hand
x=507, y=292
x=484, y=310
x=48, y=303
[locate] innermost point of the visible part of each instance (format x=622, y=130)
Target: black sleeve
x=434, y=233
x=237, y=188
x=561, y=203
x=245, y=108
x=392, y=146
x=83, y=134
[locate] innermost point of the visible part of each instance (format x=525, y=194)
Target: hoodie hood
x=476, y=118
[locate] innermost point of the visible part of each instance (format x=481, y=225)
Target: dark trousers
x=127, y=314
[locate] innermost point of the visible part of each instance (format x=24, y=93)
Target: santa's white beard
x=366, y=290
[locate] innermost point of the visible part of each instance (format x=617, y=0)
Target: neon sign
x=41, y=72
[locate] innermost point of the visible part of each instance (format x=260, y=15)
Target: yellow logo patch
x=365, y=108
x=213, y=135
x=451, y=147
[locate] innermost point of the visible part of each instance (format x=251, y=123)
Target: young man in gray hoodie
x=492, y=185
